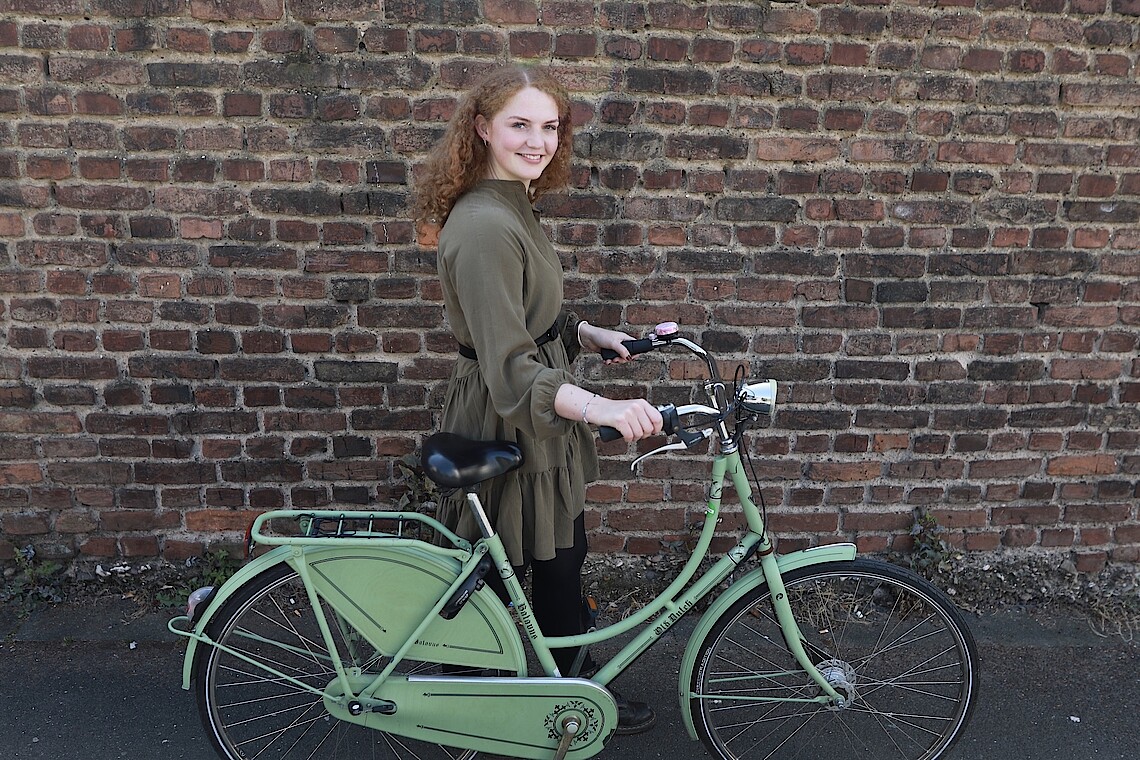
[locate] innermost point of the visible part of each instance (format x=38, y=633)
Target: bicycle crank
x=570, y=727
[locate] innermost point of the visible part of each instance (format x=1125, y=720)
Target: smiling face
x=522, y=137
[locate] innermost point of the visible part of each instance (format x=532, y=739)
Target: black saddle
x=457, y=462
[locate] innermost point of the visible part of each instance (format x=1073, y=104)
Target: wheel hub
x=841, y=676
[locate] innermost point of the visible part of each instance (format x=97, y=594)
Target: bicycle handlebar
x=671, y=423
x=607, y=433
x=753, y=398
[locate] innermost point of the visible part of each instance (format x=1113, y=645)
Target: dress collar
x=511, y=191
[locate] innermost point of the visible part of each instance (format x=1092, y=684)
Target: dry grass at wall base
x=1109, y=600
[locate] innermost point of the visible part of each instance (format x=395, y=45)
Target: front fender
x=750, y=581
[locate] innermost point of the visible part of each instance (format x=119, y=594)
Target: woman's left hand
x=594, y=338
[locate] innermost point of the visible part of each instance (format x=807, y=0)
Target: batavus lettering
x=523, y=611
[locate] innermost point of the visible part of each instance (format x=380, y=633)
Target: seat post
x=480, y=516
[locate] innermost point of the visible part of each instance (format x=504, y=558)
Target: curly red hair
x=460, y=159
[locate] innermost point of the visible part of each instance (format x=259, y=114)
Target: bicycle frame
x=672, y=604
x=657, y=617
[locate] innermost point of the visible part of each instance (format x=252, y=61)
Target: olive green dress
x=502, y=287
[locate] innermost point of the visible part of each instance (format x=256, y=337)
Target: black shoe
x=633, y=717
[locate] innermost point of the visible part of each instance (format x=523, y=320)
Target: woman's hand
x=594, y=338
x=633, y=418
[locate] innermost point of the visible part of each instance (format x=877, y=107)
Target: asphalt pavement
x=104, y=683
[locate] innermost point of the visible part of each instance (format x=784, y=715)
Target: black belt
x=551, y=333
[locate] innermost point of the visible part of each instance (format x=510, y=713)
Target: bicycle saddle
x=457, y=462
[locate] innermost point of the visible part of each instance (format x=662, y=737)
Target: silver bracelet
x=587, y=406
x=578, y=330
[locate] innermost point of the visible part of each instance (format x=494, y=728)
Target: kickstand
x=590, y=612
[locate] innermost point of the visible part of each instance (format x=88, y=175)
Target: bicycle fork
x=793, y=638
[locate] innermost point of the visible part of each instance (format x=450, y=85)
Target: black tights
x=556, y=593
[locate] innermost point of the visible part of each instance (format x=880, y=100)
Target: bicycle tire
x=249, y=713
x=890, y=639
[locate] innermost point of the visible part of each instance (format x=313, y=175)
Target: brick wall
x=921, y=217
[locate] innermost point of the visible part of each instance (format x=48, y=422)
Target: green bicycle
x=353, y=636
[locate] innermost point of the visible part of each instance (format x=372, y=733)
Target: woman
x=509, y=142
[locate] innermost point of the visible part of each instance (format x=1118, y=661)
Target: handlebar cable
x=759, y=490
x=742, y=424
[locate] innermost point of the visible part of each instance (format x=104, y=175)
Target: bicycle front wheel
x=882, y=636
x=249, y=712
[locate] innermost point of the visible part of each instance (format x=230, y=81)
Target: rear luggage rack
x=319, y=526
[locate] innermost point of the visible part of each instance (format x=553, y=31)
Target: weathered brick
x=24, y=524
x=249, y=10
x=95, y=70
x=192, y=75
x=110, y=197
x=1025, y=515
x=1082, y=465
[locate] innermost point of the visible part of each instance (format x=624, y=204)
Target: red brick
x=1092, y=464
x=1053, y=537
x=891, y=522
x=218, y=520
x=24, y=524
x=645, y=519
x=245, y=10
x=1026, y=515
x=174, y=550
x=99, y=546
x=139, y=546
x=1090, y=562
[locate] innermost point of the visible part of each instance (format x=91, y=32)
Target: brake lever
x=693, y=438
x=688, y=438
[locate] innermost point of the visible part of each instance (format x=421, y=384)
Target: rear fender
x=385, y=592
x=245, y=573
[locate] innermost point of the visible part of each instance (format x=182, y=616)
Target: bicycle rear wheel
x=250, y=713
x=880, y=634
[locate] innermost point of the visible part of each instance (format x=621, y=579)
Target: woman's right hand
x=633, y=418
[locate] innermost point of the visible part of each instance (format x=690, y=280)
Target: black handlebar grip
x=639, y=346
x=607, y=433
x=670, y=420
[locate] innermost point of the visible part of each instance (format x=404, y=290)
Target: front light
x=759, y=398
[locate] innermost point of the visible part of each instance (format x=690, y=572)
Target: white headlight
x=759, y=398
